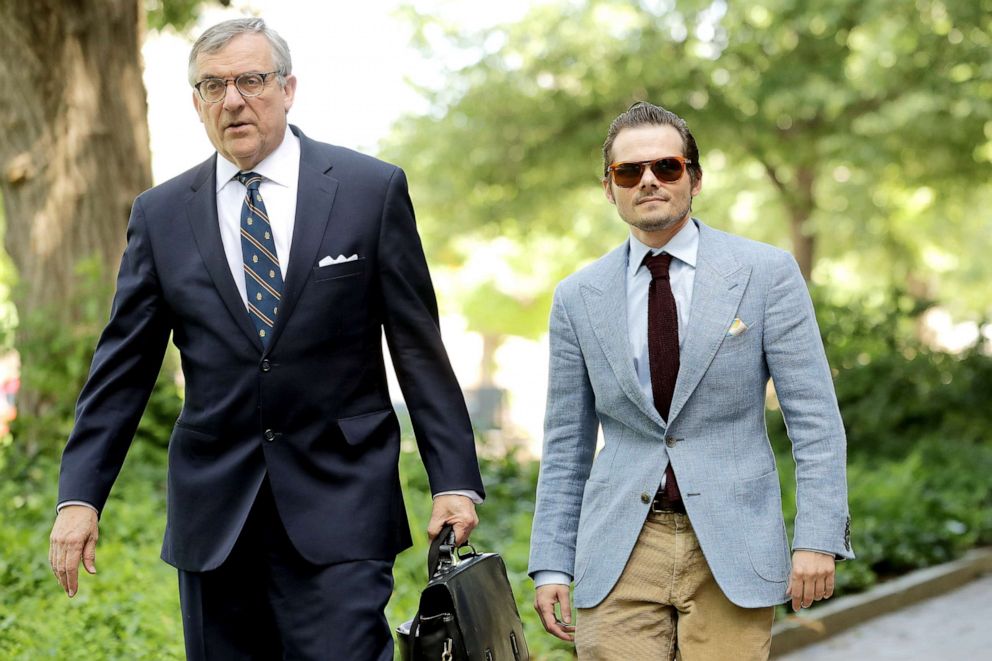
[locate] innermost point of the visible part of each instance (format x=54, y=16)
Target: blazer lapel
x=717, y=290
x=607, y=309
x=201, y=210
x=314, y=198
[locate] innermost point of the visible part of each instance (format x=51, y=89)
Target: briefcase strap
x=444, y=552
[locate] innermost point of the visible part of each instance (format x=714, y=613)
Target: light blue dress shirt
x=683, y=247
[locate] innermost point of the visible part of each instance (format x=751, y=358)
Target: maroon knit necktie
x=663, y=346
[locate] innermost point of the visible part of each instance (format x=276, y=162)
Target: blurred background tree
x=858, y=134
x=73, y=156
x=853, y=130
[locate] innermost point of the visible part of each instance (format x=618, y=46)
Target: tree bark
x=799, y=203
x=800, y=210
x=74, y=148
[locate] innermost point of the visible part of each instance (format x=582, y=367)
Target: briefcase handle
x=445, y=553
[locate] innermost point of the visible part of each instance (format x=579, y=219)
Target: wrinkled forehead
x=244, y=53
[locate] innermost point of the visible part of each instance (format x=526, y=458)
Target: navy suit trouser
x=265, y=602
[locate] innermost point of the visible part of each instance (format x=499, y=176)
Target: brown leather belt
x=662, y=504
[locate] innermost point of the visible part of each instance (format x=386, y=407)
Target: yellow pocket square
x=737, y=328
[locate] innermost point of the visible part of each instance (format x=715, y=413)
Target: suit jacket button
x=645, y=498
x=266, y=365
x=269, y=435
x=670, y=441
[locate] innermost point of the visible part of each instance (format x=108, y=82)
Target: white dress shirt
x=280, y=173
x=683, y=247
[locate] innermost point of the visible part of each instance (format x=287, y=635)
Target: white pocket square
x=340, y=259
x=737, y=328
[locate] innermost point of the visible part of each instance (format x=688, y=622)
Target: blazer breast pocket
x=339, y=270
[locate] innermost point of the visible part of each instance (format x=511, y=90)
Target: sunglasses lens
x=627, y=175
x=667, y=169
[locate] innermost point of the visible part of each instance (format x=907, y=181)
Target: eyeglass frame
x=265, y=79
x=649, y=164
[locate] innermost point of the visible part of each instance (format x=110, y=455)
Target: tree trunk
x=490, y=343
x=800, y=210
x=73, y=149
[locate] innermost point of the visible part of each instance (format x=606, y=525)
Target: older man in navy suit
x=275, y=265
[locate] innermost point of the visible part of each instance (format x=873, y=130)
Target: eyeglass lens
x=668, y=170
x=249, y=84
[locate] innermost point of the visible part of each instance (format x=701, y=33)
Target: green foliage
x=893, y=390
x=865, y=123
x=177, y=14
x=924, y=508
x=505, y=521
x=55, y=360
x=919, y=434
x=128, y=610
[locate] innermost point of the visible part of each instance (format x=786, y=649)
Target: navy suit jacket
x=312, y=410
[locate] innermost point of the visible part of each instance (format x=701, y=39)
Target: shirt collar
x=281, y=166
x=684, y=246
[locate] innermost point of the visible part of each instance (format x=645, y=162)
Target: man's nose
x=232, y=97
x=648, y=180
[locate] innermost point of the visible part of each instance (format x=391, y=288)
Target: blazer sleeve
x=435, y=401
x=804, y=386
x=570, y=429
x=125, y=365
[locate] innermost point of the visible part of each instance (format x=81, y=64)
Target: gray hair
x=220, y=35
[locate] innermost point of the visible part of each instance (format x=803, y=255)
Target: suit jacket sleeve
x=570, y=427
x=804, y=386
x=437, y=408
x=125, y=365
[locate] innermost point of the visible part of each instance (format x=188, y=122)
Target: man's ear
x=608, y=189
x=197, y=103
x=289, y=92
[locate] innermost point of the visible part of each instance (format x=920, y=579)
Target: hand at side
x=73, y=539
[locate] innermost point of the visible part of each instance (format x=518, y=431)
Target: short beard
x=664, y=222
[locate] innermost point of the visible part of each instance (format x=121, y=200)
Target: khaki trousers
x=667, y=603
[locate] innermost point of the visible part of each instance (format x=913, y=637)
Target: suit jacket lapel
x=314, y=198
x=201, y=210
x=607, y=308
x=717, y=289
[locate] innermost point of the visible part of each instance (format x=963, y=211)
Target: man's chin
x=656, y=224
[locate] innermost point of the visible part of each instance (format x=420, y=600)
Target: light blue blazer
x=590, y=508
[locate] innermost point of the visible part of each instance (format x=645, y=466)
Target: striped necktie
x=263, y=278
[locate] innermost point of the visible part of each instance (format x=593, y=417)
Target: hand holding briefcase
x=467, y=611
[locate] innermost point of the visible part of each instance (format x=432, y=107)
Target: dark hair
x=643, y=113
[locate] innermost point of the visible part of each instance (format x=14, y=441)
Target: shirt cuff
x=474, y=496
x=58, y=508
x=832, y=555
x=549, y=577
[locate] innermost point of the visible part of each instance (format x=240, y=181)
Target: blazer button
x=670, y=441
x=266, y=365
x=269, y=435
x=645, y=498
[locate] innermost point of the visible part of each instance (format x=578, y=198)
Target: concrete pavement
x=955, y=625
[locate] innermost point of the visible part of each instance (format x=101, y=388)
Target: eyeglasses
x=212, y=90
x=668, y=169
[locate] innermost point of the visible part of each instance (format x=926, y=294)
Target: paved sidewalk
x=955, y=625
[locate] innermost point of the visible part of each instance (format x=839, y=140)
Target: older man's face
x=244, y=131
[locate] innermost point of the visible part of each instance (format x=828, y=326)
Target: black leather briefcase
x=467, y=611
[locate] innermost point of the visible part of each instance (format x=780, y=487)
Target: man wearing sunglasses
x=277, y=265
x=673, y=533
